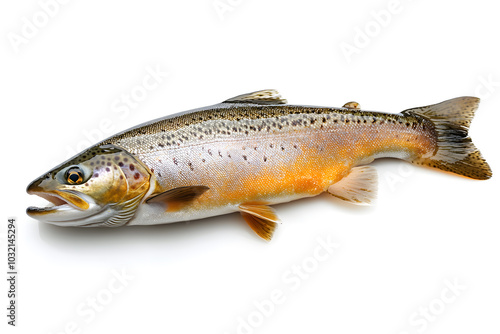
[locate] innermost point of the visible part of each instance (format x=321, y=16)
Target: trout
x=246, y=154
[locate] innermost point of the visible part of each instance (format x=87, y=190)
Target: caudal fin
x=455, y=151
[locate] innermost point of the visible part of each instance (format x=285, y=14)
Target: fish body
x=248, y=153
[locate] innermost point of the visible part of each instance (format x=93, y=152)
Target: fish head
x=102, y=186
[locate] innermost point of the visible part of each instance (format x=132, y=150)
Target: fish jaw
x=64, y=208
x=45, y=188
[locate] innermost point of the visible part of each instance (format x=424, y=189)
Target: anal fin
x=261, y=218
x=358, y=187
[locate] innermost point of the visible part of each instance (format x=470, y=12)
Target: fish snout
x=38, y=185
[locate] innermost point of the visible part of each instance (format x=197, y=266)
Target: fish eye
x=74, y=175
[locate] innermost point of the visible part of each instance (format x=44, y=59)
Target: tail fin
x=455, y=151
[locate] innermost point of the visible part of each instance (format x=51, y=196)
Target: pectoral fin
x=178, y=197
x=358, y=187
x=261, y=218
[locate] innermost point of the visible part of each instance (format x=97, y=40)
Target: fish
x=246, y=154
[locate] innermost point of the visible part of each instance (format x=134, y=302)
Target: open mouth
x=57, y=202
x=65, y=207
x=60, y=201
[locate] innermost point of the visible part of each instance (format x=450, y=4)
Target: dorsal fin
x=267, y=96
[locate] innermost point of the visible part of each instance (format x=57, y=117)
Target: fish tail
x=455, y=151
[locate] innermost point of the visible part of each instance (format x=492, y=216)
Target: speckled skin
x=264, y=153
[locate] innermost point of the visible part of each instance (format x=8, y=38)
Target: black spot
x=132, y=167
x=137, y=175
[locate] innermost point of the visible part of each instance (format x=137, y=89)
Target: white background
x=395, y=260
